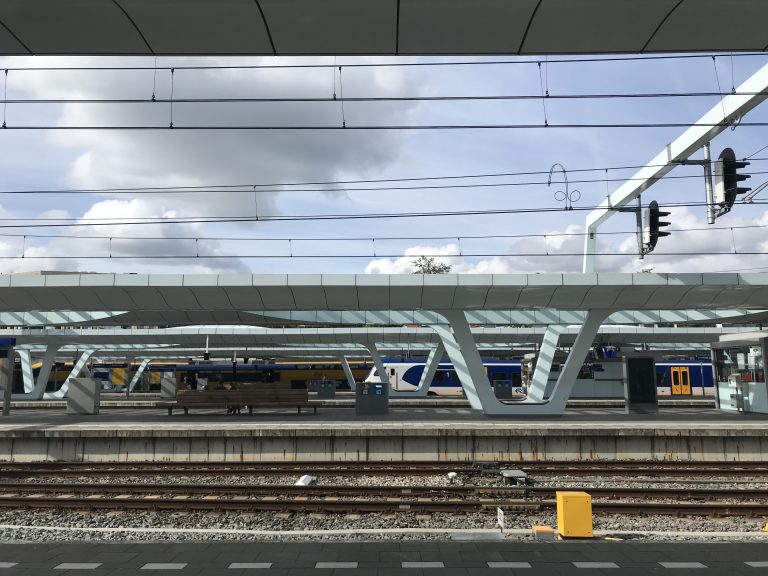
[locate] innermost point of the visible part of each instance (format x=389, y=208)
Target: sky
x=264, y=162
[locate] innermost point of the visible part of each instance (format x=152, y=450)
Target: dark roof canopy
x=387, y=27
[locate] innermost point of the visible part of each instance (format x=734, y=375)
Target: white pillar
x=26, y=370
x=348, y=373
x=137, y=375
x=544, y=362
x=76, y=370
x=430, y=367
x=42, y=377
x=565, y=382
x=463, y=352
x=383, y=375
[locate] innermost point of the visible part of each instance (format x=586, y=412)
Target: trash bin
x=326, y=389
x=503, y=389
x=371, y=398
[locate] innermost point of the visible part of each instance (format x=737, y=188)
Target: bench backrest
x=267, y=394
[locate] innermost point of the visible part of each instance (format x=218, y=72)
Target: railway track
x=623, y=468
x=346, y=499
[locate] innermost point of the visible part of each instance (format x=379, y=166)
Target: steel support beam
x=430, y=367
x=348, y=373
x=138, y=373
x=382, y=372
x=544, y=362
x=27, y=374
x=77, y=369
x=41, y=383
x=723, y=114
x=462, y=350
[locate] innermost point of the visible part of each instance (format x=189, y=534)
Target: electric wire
x=251, y=185
x=248, y=188
x=373, y=238
x=119, y=221
x=295, y=256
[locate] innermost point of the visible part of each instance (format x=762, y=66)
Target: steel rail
x=316, y=490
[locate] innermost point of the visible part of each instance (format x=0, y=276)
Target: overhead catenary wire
x=370, y=238
x=79, y=222
x=253, y=187
x=290, y=254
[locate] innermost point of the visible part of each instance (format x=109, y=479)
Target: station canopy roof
x=336, y=294
x=385, y=27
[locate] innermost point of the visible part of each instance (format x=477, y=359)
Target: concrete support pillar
x=77, y=369
x=382, y=372
x=462, y=350
x=565, y=382
x=348, y=373
x=138, y=373
x=544, y=362
x=27, y=374
x=42, y=377
x=468, y=365
x=430, y=367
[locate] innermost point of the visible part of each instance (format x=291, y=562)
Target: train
x=599, y=377
x=116, y=375
x=675, y=378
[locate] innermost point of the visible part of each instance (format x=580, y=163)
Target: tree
x=424, y=265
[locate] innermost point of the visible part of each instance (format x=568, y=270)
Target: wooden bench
x=262, y=396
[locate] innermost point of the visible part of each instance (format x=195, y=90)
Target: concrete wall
x=698, y=444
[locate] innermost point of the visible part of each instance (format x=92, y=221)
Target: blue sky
x=77, y=159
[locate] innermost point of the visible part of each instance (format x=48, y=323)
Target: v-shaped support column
x=38, y=389
x=27, y=375
x=138, y=373
x=380, y=370
x=80, y=366
x=544, y=362
x=430, y=367
x=348, y=373
x=468, y=365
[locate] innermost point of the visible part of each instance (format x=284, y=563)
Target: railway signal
x=653, y=224
x=727, y=180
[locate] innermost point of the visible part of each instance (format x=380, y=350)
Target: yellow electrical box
x=574, y=514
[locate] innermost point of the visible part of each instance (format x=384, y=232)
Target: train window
x=391, y=371
x=438, y=376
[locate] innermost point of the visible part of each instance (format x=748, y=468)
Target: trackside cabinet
x=574, y=514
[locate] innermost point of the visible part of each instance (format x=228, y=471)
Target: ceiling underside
x=336, y=337
x=386, y=27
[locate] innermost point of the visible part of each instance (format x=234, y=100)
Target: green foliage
x=424, y=265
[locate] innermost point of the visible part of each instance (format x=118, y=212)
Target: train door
x=681, y=381
x=394, y=379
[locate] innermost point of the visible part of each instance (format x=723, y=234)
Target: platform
x=384, y=558
x=337, y=434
